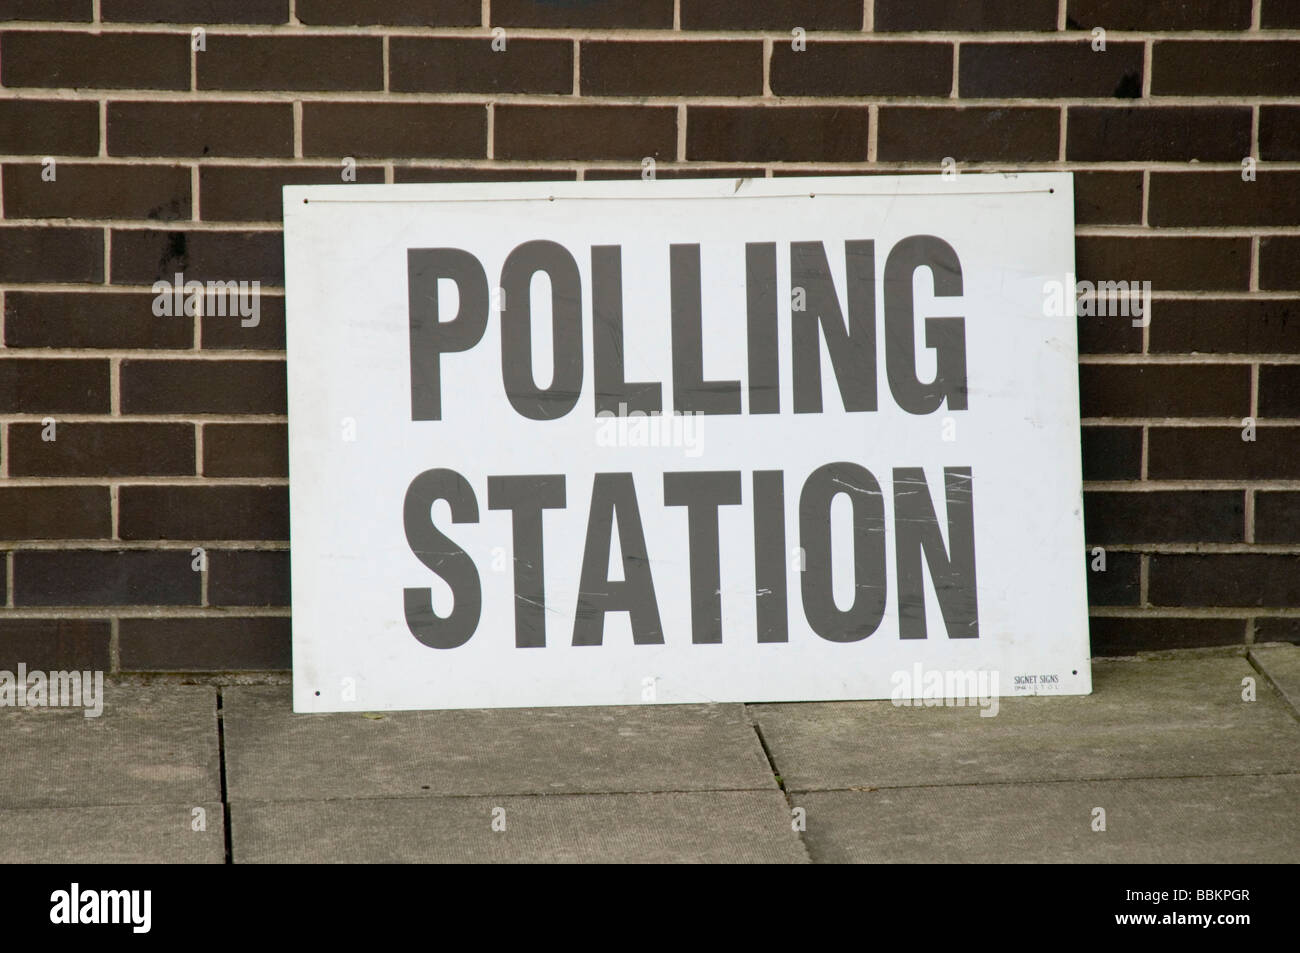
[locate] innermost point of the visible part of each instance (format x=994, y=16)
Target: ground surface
x=1184, y=769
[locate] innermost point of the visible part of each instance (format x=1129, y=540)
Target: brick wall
x=169, y=432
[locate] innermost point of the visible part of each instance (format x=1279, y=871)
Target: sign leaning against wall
x=724, y=440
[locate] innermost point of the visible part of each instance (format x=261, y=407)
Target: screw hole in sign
x=318, y=694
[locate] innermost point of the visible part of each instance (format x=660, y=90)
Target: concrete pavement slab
x=151, y=745
x=1169, y=718
x=273, y=754
x=1281, y=663
x=699, y=827
x=117, y=834
x=1175, y=820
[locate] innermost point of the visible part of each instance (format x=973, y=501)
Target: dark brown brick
x=1184, y=516
x=245, y=450
x=1279, y=15
x=51, y=254
x=1226, y=326
x=1279, y=390
x=253, y=194
x=1009, y=70
x=1158, y=15
x=98, y=191
x=200, y=129
x=1112, y=636
x=143, y=256
x=291, y=62
x=226, y=644
x=95, y=60
x=203, y=387
x=1109, y=334
x=67, y=10
x=1277, y=516
x=56, y=385
x=1170, y=264
x=969, y=134
x=1164, y=390
x=1236, y=579
x=861, y=69
x=1279, y=263
x=203, y=512
x=1223, y=199
x=102, y=450
x=202, y=12
x=42, y=127
x=391, y=13
x=248, y=578
x=585, y=132
x=55, y=512
x=789, y=133
x=384, y=130
x=1225, y=68
x=446, y=65
x=768, y=15
x=1157, y=133
x=1107, y=198
x=1220, y=453
x=91, y=320
x=228, y=333
x=894, y=15
x=1279, y=132
x=649, y=14
x=1116, y=585
x=465, y=174
x=672, y=68
x=1280, y=629
x=55, y=644
x=681, y=172
x=1112, y=453
x=105, y=578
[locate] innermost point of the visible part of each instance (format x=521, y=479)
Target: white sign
x=582, y=443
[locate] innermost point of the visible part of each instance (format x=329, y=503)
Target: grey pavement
x=1165, y=762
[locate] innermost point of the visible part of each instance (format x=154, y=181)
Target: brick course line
x=105, y=94
x=1146, y=611
x=569, y=165
x=158, y=545
x=639, y=33
x=144, y=611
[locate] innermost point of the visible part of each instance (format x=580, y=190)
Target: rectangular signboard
x=575, y=443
